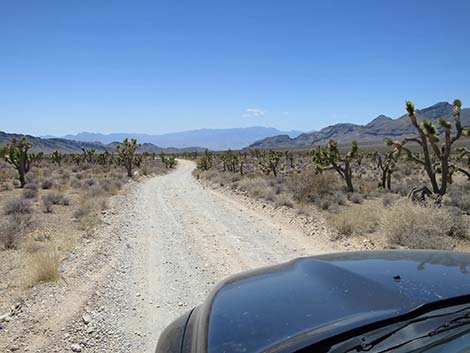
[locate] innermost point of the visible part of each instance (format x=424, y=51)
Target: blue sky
x=161, y=66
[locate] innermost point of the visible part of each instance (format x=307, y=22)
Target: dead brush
x=12, y=228
x=356, y=220
x=43, y=266
x=54, y=198
x=18, y=206
x=419, y=226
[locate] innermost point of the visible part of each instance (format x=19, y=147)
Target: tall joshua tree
x=436, y=154
x=330, y=158
x=127, y=154
x=16, y=154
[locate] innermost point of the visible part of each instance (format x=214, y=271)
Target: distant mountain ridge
x=48, y=145
x=372, y=133
x=213, y=139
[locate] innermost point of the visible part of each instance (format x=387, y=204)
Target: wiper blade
x=367, y=342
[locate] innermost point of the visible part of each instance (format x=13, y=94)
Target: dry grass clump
x=419, y=226
x=44, y=266
x=459, y=196
x=308, y=185
x=357, y=220
x=88, y=214
x=54, y=198
x=257, y=187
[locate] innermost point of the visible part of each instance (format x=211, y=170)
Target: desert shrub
x=47, y=184
x=283, y=200
x=44, y=266
x=12, y=228
x=357, y=220
x=355, y=197
x=90, y=181
x=54, y=198
x=30, y=191
x=418, y=226
x=307, y=185
x=255, y=187
x=76, y=183
x=17, y=206
x=388, y=199
x=111, y=187
x=459, y=196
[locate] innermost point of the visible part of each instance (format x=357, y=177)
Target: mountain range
x=48, y=145
x=213, y=139
x=372, y=133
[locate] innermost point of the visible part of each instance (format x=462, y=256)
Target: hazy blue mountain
x=372, y=133
x=213, y=139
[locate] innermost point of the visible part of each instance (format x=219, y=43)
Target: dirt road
x=170, y=241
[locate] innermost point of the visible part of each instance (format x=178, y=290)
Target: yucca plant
x=127, y=154
x=16, y=153
x=330, y=158
x=436, y=150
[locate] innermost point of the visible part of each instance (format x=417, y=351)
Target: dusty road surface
x=166, y=245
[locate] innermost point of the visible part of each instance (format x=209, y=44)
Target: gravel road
x=165, y=246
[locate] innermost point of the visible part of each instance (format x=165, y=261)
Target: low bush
x=12, y=228
x=308, y=185
x=18, y=206
x=419, y=226
x=44, y=266
x=358, y=220
x=30, y=191
x=47, y=184
x=54, y=198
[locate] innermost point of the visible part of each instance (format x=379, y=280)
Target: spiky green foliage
x=386, y=163
x=435, y=159
x=206, y=161
x=56, y=157
x=270, y=162
x=232, y=162
x=127, y=154
x=16, y=153
x=89, y=155
x=170, y=162
x=330, y=158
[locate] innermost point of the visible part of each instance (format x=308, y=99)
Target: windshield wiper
x=446, y=322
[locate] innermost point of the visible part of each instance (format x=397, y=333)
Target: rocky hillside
x=48, y=145
x=372, y=133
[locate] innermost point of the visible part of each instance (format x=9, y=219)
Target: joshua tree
x=127, y=154
x=16, y=154
x=89, y=155
x=230, y=161
x=329, y=158
x=432, y=149
x=290, y=157
x=169, y=162
x=270, y=162
x=56, y=157
x=386, y=163
x=205, y=162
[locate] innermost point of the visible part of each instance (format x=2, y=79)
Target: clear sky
x=159, y=66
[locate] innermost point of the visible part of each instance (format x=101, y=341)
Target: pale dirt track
x=166, y=245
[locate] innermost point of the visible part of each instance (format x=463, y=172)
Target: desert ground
x=163, y=244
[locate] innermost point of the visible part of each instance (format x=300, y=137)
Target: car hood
x=311, y=299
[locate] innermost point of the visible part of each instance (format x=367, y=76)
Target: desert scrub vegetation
x=50, y=202
x=359, y=190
